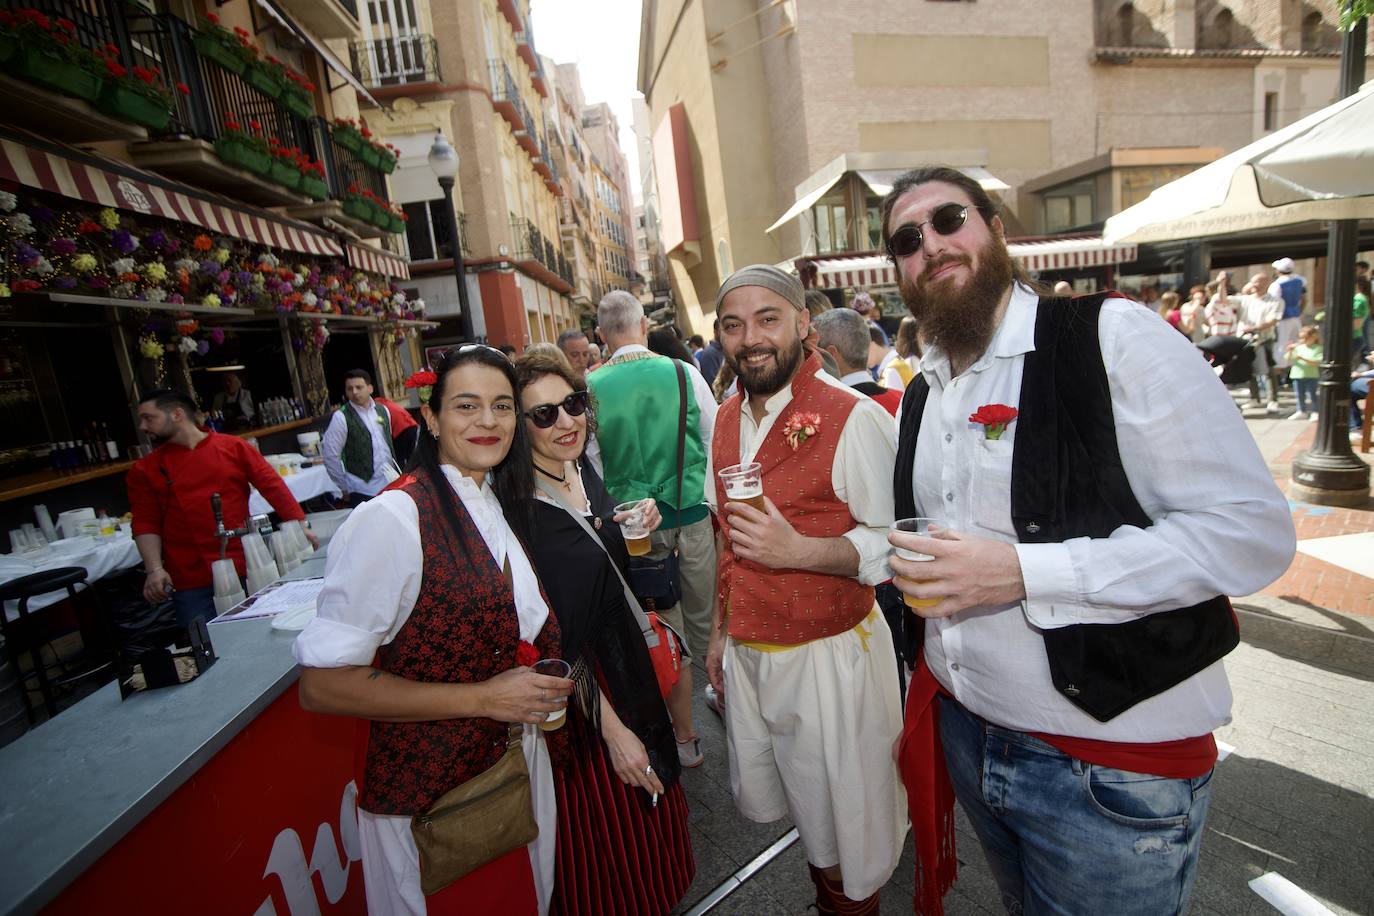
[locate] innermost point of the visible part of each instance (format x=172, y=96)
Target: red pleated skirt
x=615, y=853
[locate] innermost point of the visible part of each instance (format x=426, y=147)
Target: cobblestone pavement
x=1296, y=796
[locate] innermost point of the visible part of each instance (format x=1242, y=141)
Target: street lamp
x=443, y=161
x=1330, y=473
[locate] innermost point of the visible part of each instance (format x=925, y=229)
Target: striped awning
x=365, y=257
x=1048, y=254
x=1070, y=253
x=107, y=182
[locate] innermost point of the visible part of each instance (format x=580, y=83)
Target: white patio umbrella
x=1318, y=168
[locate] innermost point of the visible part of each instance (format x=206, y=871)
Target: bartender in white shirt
x=357, y=443
x=1078, y=612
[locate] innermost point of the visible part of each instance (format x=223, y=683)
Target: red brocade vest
x=790, y=606
x=463, y=629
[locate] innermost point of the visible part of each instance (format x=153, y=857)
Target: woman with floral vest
x=428, y=622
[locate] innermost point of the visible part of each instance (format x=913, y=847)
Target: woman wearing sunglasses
x=623, y=845
x=429, y=618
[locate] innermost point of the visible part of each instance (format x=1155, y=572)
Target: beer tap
x=224, y=534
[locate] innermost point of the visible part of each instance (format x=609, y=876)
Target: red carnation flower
x=994, y=418
x=183, y=89
x=66, y=25
x=28, y=286
x=212, y=17
x=526, y=654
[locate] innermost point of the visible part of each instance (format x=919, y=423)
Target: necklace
x=561, y=479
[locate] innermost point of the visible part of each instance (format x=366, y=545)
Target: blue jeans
x=1067, y=837
x=1306, y=391
x=1359, y=389
x=193, y=603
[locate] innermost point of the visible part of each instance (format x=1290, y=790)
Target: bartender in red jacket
x=169, y=492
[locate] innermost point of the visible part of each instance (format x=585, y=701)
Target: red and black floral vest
x=791, y=606
x=463, y=630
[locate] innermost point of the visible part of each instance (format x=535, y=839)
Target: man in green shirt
x=635, y=449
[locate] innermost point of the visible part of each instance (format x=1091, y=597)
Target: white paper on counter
x=277, y=598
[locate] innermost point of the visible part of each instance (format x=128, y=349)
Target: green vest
x=357, y=450
x=637, y=429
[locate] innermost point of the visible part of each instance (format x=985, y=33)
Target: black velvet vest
x=1066, y=482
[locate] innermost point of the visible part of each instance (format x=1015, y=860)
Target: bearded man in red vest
x=799, y=652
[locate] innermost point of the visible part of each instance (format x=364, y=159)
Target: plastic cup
x=225, y=577
x=554, y=667
x=259, y=579
x=632, y=527
x=284, y=553
x=743, y=483
x=19, y=541
x=924, y=527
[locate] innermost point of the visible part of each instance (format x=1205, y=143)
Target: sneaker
x=1295, y=415
x=1312, y=417
x=1272, y=406
x=713, y=702
x=689, y=752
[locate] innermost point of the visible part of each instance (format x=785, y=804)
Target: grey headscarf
x=770, y=278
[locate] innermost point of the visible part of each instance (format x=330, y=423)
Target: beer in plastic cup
x=554, y=667
x=743, y=484
x=632, y=528
x=923, y=527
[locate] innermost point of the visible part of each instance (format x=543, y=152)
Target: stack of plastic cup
x=285, y=553
x=262, y=569
x=296, y=533
x=228, y=588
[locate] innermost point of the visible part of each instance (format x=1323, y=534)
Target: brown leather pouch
x=477, y=822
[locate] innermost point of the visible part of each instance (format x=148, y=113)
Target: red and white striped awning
x=1070, y=253
x=365, y=257
x=109, y=183
x=875, y=270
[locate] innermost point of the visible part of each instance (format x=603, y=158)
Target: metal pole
x=455, y=243
x=1330, y=473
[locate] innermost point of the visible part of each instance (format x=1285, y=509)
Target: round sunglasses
x=946, y=220
x=545, y=415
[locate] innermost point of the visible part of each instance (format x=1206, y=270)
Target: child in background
x=1306, y=357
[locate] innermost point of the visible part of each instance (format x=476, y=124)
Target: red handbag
x=667, y=655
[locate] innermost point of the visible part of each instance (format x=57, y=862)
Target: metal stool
x=20, y=634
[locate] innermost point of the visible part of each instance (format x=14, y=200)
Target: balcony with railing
x=505, y=97
x=536, y=255
x=402, y=61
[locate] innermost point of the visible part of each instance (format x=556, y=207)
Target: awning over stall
x=365, y=257
x=59, y=169
x=872, y=270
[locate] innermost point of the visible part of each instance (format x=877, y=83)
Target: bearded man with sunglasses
x=800, y=653
x=1070, y=677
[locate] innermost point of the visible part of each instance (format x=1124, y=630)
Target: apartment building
x=470, y=69
x=602, y=131
x=777, y=126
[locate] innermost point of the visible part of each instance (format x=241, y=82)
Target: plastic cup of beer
x=743, y=484
x=554, y=667
x=633, y=529
x=925, y=527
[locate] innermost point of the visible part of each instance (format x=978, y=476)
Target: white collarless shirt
x=1221, y=526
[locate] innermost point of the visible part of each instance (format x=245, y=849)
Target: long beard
x=960, y=320
x=765, y=380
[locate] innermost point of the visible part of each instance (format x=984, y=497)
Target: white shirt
x=1256, y=310
x=861, y=474
x=372, y=577
x=1221, y=525
x=332, y=444
x=701, y=393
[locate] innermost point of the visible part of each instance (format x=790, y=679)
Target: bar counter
x=42, y=481
x=203, y=797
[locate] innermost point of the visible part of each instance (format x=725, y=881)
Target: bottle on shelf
x=111, y=447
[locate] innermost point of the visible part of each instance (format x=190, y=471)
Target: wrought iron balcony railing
x=397, y=61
